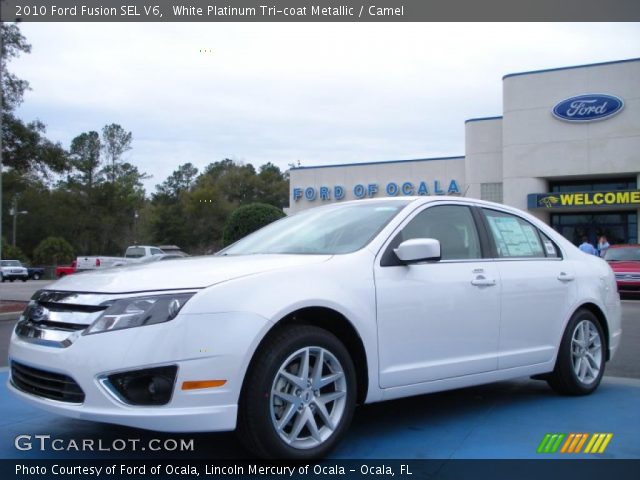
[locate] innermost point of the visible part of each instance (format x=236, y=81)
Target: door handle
x=482, y=281
x=566, y=277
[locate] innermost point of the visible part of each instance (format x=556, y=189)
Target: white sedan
x=280, y=335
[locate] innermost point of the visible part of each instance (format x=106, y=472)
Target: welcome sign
x=613, y=198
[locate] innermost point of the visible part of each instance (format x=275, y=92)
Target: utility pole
x=14, y=211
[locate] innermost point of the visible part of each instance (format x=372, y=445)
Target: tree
x=115, y=142
x=9, y=252
x=85, y=158
x=24, y=147
x=53, y=251
x=13, y=44
x=248, y=219
x=179, y=181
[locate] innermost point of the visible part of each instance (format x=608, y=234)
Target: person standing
x=586, y=247
x=603, y=245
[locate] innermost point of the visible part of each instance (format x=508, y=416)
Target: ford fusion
x=280, y=335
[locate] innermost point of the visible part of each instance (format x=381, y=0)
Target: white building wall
x=536, y=145
x=483, y=153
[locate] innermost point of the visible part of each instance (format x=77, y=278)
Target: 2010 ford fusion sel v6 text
x=281, y=334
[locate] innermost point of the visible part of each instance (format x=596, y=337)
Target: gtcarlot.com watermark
x=48, y=443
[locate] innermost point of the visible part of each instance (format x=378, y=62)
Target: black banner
x=344, y=469
x=318, y=10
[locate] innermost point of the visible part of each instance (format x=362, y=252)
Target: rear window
x=134, y=252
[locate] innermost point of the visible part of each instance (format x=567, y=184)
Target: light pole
x=135, y=226
x=14, y=211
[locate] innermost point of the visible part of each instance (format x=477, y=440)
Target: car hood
x=625, y=266
x=188, y=273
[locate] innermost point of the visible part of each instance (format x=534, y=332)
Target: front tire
x=581, y=359
x=36, y=276
x=299, y=395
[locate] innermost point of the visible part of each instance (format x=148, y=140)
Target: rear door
x=538, y=289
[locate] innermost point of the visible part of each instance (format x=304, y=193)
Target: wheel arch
x=335, y=323
x=602, y=320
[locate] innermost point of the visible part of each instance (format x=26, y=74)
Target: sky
x=314, y=93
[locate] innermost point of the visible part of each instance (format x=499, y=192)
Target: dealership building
x=566, y=149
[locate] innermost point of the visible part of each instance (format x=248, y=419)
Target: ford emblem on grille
x=39, y=314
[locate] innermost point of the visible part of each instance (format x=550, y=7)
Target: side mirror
x=418, y=250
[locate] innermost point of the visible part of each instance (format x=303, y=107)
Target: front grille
x=628, y=277
x=46, y=384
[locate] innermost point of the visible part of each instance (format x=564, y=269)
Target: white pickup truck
x=132, y=254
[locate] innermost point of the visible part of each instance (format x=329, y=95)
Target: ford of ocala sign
x=587, y=108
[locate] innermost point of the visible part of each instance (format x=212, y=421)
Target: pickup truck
x=35, y=273
x=13, y=270
x=132, y=255
x=64, y=270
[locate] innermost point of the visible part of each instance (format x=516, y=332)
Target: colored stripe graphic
x=550, y=443
x=573, y=442
x=598, y=443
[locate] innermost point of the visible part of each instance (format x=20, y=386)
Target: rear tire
x=299, y=395
x=581, y=359
x=36, y=276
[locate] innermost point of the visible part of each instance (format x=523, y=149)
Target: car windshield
x=623, y=254
x=11, y=263
x=321, y=231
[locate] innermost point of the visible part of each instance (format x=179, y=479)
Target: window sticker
x=532, y=237
x=510, y=237
x=550, y=248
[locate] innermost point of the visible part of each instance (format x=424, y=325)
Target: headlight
x=138, y=311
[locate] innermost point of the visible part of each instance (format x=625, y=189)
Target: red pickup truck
x=63, y=270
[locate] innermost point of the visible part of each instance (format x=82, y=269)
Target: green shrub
x=53, y=251
x=9, y=252
x=248, y=219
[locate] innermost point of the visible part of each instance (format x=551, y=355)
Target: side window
x=513, y=236
x=452, y=225
x=156, y=251
x=550, y=247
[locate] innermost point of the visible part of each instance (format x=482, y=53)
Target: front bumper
x=15, y=276
x=203, y=346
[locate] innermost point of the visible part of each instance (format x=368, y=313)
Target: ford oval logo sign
x=587, y=108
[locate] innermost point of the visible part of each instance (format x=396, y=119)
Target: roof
x=586, y=65
x=460, y=157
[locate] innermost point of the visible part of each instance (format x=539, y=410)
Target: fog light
x=151, y=386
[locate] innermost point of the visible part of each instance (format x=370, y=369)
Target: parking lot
x=502, y=420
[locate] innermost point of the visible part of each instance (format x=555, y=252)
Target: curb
x=9, y=316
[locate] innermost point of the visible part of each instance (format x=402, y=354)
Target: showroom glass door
x=618, y=227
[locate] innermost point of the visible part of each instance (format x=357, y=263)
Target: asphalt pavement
x=21, y=291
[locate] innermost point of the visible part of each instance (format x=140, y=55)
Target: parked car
x=35, y=273
x=64, y=270
x=13, y=270
x=281, y=334
x=625, y=262
x=131, y=255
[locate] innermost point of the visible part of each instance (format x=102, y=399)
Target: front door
x=440, y=319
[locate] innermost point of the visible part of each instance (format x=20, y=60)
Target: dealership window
x=618, y=227
x=491, y=192
x=607, y=184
